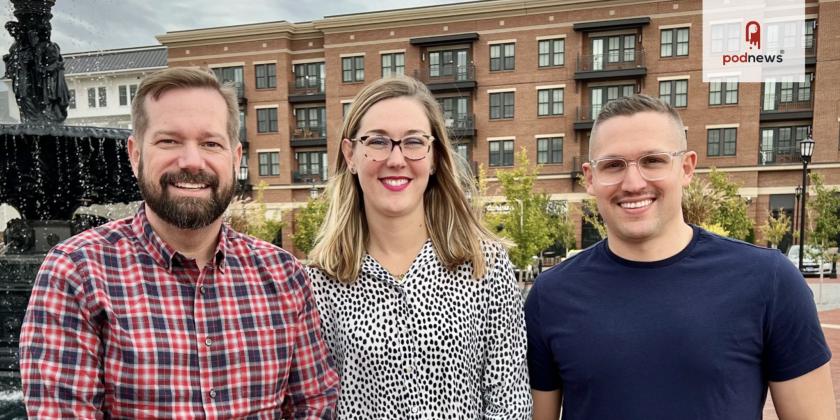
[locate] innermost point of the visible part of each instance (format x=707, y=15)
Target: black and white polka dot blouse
x=436, y=345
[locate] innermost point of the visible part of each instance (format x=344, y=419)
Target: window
x=449, y=63
x=91, y=97
x=501, y=153
x=353, y=69
x=552, y=52
x=266, y=75
x=501, y=105
x=310, y=76
x=312, y=164
x=393, y=64
x=674, y=92
x=310, y=122
x=345, y=106
x=72, y=99
x=785, y=94
x=456, y=113
x=723, y=91
x=721, y=141
x=602, y=95
x=550, y=150
x=269, y=163
x=810, y=25
x=267, y=120
x=726, y=38
x=502, y=56
x=781, y=144
x=127, y=93
x=673, y=42
x=550, y=102
x=233, y=76
x=103, y=97
x=620, y=48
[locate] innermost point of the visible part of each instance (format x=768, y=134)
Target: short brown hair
x=632, y=105
x=165, y=80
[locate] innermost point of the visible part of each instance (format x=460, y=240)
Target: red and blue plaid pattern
x=120, y=325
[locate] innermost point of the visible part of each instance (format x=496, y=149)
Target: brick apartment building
x=513, y=74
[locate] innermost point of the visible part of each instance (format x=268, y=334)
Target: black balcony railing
x=299, y=177
x=778, y=155
x=789, y=106
x=446, y=73
x=307, y=87
x=458, y=122
x=243, y=135
x=309, y=133
x=622, y=60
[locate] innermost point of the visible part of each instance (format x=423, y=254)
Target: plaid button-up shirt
x=121, y=325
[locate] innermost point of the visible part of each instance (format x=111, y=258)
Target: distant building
x=102, y=84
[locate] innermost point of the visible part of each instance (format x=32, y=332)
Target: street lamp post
x=242, y=177
x=797, y=195
x=806, y=150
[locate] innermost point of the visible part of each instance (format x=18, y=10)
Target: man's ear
x=689, y=162
x=587, y=175
x=134, y=152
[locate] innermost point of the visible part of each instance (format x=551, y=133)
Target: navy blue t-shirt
x=695, y=336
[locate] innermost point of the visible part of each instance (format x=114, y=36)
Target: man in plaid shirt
x=172, y=314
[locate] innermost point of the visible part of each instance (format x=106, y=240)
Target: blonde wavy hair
x=453, y=224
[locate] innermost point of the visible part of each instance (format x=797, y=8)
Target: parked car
x=810, y=267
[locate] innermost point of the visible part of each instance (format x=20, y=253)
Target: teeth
x=636, y=204
x=396, y=182
x=190, y=186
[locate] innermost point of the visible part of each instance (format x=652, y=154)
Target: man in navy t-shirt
x=664, y=320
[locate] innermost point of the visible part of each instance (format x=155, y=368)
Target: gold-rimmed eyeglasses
x=379, y=147
x=652, y=167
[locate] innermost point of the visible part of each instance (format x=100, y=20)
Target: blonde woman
x=418, y=303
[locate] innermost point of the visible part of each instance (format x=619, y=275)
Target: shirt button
x=209, y=342
x=414, y=410
x=212, y=393
x=409, y=369
x=201, y=290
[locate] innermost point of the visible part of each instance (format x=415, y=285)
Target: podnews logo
x=752, y=31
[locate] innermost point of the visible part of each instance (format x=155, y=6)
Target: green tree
x=532, y=221
x=308, y=221
x=823, y=218
x=714, y=201
x=775, y=228
x=252, y=218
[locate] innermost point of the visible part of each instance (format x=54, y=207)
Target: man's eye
x=612, y=165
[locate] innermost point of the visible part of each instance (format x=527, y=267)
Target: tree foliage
x=533, y=221
x=775, y=228
x=715, y=201
x=252, y=218
x=823, y=218
x=308, y=221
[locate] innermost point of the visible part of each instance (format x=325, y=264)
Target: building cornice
x=237, y=33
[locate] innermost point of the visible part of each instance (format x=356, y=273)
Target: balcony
x=607, y=65
x=310, y=91
x=460, y=125
x=583, y=118
x=793, y=110
x=308, y=137
x=779, y=155
x=243, y=137
x=239, y=88
x=448, y=77
x=307, y=178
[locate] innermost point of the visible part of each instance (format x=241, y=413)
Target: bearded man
x=171, y=313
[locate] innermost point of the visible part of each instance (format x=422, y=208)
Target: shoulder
x=712, y=245
x=264, y=255
x=578, y=264
x=111, y=235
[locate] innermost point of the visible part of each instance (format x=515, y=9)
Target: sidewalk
x=830, y=320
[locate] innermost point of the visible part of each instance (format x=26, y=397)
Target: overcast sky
x=88, y=25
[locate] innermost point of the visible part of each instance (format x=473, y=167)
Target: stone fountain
x=47, y=171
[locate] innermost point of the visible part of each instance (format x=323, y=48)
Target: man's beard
x=185, y=212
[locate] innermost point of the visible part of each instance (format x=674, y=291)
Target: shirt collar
x=162, y=252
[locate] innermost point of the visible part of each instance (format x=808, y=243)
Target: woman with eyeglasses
x=418, y=301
